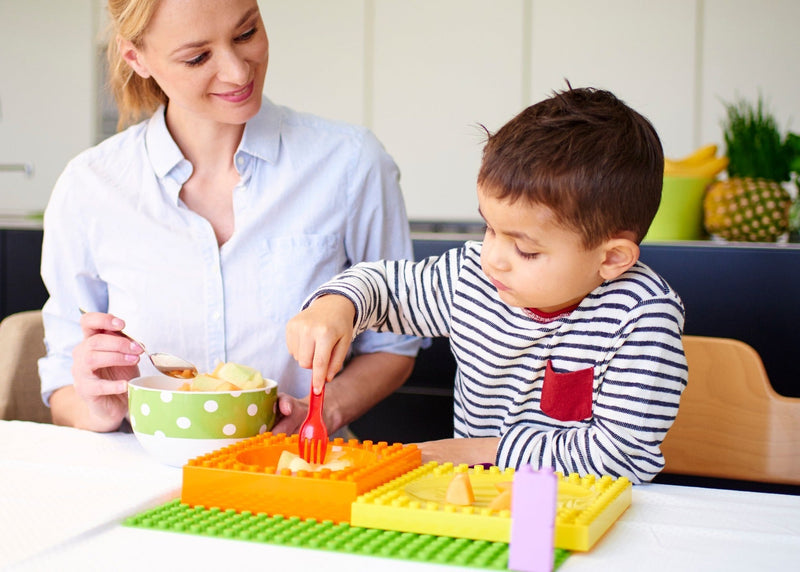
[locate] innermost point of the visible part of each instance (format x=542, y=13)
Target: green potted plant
x=793, y=141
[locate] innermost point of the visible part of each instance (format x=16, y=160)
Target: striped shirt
x=593, y=391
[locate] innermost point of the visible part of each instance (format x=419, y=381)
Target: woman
x=202, y=229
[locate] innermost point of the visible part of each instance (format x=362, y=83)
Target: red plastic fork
x=313, y=433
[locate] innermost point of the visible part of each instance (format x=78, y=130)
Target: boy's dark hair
x=594, y=161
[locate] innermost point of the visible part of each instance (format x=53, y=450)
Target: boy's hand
x=469, y=451
x=319, y=337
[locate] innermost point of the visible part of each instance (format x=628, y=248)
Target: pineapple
x=751, y=204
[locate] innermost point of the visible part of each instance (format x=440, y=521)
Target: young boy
x=568, y=348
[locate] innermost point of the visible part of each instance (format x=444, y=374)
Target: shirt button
x=240, y=160
x=216, y=315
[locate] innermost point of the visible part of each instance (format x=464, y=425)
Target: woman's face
x=208, y=56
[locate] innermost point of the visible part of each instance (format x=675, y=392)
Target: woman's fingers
x=94, y=322
x=105, y=350
x=92, y=388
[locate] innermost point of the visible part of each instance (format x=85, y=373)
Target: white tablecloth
x=64, y=492
x=58, y=483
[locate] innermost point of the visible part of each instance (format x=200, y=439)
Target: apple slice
x=337, y=460
x=501, y=501
x=205, y=382
x=240, y=375
x=459, y=491
x=227, y=386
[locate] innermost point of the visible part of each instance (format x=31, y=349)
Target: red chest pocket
x=567, y=396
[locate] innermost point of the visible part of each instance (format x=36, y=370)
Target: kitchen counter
x=23, y=221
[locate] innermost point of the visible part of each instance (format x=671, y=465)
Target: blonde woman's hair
x=136, y=97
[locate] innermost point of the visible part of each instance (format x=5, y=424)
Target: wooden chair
x=731, y=423
x=21, y=346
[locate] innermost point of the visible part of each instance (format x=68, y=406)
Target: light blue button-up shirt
x=315, y=196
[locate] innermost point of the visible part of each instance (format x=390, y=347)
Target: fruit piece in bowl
x=176, y=425
x=227, y=376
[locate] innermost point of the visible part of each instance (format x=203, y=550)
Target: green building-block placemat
x=175, y=516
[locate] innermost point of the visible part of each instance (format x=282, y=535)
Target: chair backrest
x=21, y=346
x=731, y=423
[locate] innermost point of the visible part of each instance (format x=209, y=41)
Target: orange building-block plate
x=244, y=476
x=415, y=502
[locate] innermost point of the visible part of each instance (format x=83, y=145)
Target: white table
x=64, y=493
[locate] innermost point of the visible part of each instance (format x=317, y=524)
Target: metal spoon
x=167, y=364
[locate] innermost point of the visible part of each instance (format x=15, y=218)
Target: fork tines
x=313, y=450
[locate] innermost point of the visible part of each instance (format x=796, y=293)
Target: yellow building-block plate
x=415, y=502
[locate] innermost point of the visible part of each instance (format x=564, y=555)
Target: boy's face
x=532, y=260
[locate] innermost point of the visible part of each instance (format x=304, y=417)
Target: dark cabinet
x=747, y=292
x=21, y=286
x=421, y=410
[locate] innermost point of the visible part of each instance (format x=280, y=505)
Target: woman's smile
x=238, y=95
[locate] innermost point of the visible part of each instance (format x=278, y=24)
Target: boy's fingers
x=320, y=365
x=304, y=351
x=337, y=359
x=318, y=378
x=294, y=343
x=291, y=341
x=304, y=356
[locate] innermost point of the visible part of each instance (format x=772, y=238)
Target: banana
x=703, y=162
x=701, y=155
x=709, y=168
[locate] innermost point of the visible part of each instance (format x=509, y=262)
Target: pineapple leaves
x=793, y=143
x=754, y=144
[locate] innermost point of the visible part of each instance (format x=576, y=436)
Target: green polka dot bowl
x=175, y=426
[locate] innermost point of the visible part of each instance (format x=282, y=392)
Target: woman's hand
x=102, y=364
x=293, y=411
x=291, y=414
x=320, y=336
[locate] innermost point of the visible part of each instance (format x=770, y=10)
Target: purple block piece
x=533, y=515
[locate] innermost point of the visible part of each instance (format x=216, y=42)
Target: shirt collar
x=163, y=152
x=261, y=139
x=547, y=317
x=168, y=163
x=262, y=134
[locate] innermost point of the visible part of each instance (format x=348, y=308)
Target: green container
x=175, y=425
x=680, y=215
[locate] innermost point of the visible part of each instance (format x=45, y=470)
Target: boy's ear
x=620, y=253
x=130, y=54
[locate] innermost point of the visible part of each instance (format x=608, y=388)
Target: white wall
x=47, y=93
x=431, y=70
x=424, y=73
